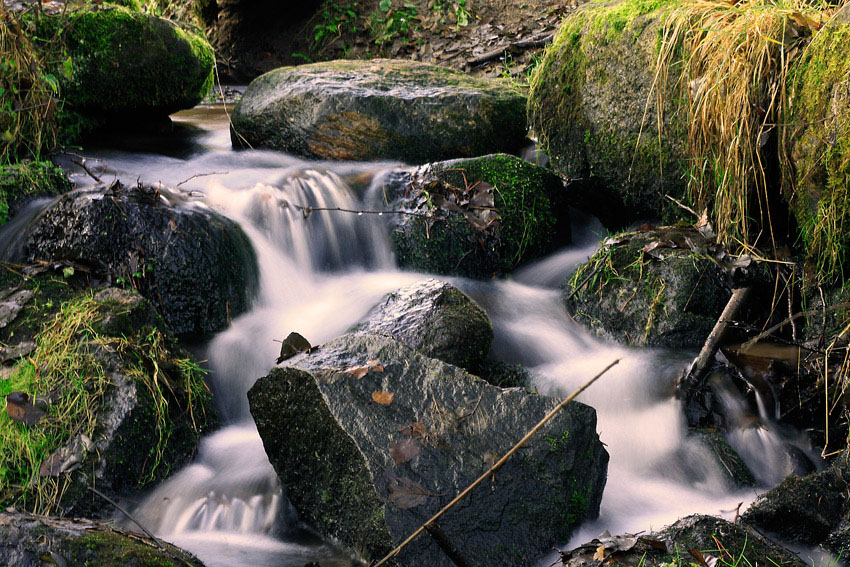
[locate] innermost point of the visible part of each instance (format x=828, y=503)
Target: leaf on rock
x=406, y=494
x=654, y=543
x=59, y=462
x=704, y=227
x=703, y=559
x=382, y=397
x=292, y=345
x=404, y=450
x=20, y=409
x=415, y=430
x=361, y=371
x=484, y=197
x=600, y=553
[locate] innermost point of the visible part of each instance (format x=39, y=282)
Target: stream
x=320, y=275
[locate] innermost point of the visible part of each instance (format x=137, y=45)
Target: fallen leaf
x=406, y=494
x=292, y=345
x=20, y=409
x=484, y=197
x=600, y=553
x=404, y=450
x=382, y=397
x=415, y=430
x=703, y=559
x=61, y=461
x=654, y=543
x=361, y=371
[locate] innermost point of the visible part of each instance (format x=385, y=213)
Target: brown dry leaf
x=361, y=371
x=406, y=494
x=415, y=430
x=654, y=543
x=600, y=553
x=703, y=559
x=20, y=409
x=404, y=450
x=293, y=344
x=382, y=397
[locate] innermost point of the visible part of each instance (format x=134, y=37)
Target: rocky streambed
x=392, y=391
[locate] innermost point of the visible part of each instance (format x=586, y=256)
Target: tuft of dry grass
x=736, y=58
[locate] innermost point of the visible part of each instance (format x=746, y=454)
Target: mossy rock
x=593, y=104
x=819, y=103
x=379, y=110
x=28, y=180
x=122, y=61
x=124, y=405
x=670, y=299
x=34, y=541
x=533, y=218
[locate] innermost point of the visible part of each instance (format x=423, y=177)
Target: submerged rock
x=35, y=541
x=436, y=319
x=379, y=110
x=594, y=105
x=195, y=266
x=477, y=217
x=701, y=540
x=366, y=460
x=648, y=289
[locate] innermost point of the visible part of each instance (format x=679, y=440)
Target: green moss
x=820, y=116
x=123, y=61
x=113, y=549
x=28, y=180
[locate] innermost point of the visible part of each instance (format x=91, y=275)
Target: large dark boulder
x=379, y=110
x=436, y=319
x=35, y=541
x=649, y=288
x=195, y=266
x=597, y=101
x=705, y=539
x=367, y=459
x=477, y=217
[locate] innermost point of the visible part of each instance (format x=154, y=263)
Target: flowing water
x=319, y=275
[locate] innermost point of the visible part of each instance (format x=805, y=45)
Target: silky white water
x=321, y=274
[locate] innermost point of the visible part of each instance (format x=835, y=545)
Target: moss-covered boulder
x=477, y=217
x=706, y=539
x=819, y=106
x=379, y=109
x=594, y=103
x=649, y=289
x=195, y=266
x=435, y=318
x=25, y=181
x=34, y=541
x=103, y=396
x=123, y=62
x=370, y=438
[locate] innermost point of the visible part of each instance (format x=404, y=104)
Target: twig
x=584, y=281
x=682, y=205
x=514, y=47
x=766, y=333
x=692, y=378
x=496, y=466
x=82, y=163
x=308, y=210
x=188, y=179
x=129, y=517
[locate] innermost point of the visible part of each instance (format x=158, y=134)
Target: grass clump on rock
x=70, y=376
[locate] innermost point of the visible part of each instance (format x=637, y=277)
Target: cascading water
x=320, y=272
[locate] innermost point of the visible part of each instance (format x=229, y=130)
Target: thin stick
x=498, y=464
x=126, y=513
